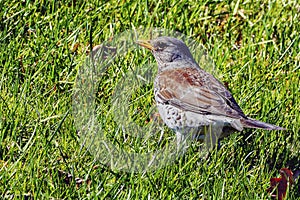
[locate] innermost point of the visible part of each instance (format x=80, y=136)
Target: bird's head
x=167, y=49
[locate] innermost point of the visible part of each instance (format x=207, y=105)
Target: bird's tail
x=252, y=123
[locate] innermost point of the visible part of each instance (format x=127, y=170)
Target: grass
x=254, y=46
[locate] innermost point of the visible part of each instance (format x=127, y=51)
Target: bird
x=191, y=101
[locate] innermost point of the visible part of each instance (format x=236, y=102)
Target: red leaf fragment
x=279, y=185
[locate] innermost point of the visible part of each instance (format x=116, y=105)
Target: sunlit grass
x=254, y=46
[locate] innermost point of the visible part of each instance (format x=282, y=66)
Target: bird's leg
x=179, y=138
x=212, y=135
x=181, y=142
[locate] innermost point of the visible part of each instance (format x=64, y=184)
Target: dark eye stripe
x=162, y=45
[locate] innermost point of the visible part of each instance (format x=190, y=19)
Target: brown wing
x=195, y=90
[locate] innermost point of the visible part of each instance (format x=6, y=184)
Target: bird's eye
x=161, y=46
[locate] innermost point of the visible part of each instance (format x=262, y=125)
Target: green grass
x=254, y=45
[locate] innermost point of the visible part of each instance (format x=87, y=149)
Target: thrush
x=190, y=100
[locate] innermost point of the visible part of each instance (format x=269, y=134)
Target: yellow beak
x=146, y=44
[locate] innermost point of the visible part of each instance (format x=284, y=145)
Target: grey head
x=167, y=50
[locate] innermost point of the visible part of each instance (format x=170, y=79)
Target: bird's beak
x=146, y=44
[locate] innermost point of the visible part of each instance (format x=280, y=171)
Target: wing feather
x=193, y=89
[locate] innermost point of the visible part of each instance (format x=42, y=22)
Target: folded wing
x=193, y=89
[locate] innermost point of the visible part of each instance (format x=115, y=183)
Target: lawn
x=45, y=45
